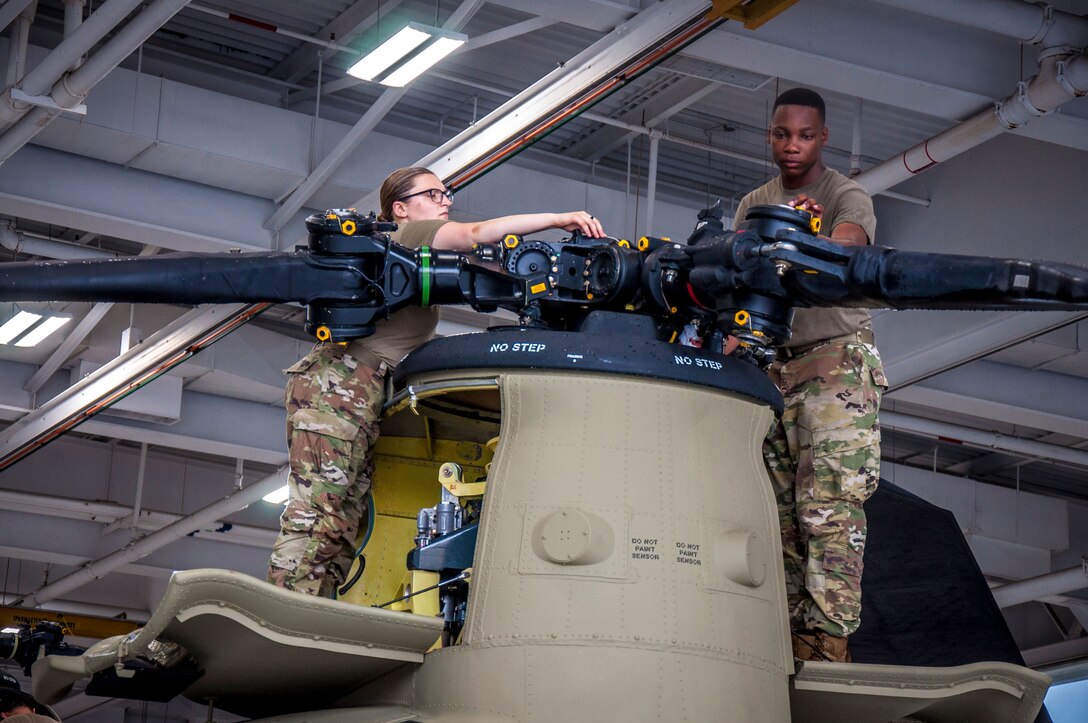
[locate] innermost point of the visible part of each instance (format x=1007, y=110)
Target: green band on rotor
x=425, y=277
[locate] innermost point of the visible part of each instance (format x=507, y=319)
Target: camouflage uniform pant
x=824, y=460
x=333, y=406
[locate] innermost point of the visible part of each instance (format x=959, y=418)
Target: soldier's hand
x=804, y=202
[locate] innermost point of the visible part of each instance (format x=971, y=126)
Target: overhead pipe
x=46, y=73
x=18, y=39
x=145, y=546
x=71, y=89
x=651, y=183
x=20, y=242
x=1063, y=75
x=12, y=9
x=73, y=18
x=1032, y=23
x=982, y=438
x=114, y=517
x=855, y=141
x=141, y=477
x=1054, y=583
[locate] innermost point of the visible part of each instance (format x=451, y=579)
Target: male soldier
x=824, y=454
x=20, y=707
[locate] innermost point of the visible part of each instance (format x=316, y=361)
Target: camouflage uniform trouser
x=333, y=406
x=824, y=460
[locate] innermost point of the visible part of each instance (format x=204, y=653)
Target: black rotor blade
x=189, y=279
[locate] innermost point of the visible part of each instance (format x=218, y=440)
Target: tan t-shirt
x=411, y=326
x=844, y=202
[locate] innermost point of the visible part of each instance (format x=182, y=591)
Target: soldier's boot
x=820, y=645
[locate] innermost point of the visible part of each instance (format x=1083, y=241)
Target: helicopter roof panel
x=284, y=649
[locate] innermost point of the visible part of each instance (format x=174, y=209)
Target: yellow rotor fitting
x=347, y=227
x=623, y=243
x=511, y=241
x=741, y=318
x=323, y=333
x=643, y=243
x=813, y=219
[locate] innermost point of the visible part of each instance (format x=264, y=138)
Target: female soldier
x=335, y=394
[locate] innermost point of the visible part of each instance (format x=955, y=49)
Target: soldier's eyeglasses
x=435, y=194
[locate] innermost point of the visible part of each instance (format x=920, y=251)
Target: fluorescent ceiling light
x=277, y=497
x=378, y=60
x=16, y=325
x=412, y=50
x=422, y=60
x=42, y=330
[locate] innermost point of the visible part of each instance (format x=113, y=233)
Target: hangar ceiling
x=225, y=123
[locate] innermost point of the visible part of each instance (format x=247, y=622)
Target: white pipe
x=73, y=88
x=56, y=64
x=982, y=438
x=145, y=546
x=1054, y=583
x=141, y=476
x=855, y=141
x=651, y=183
x=1060, y=78
x=114, y=517
x=1032, y=23
x=17, y=43
x=73, y=18
x=11, y=9
x=19, y=242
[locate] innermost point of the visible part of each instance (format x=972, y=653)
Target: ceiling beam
x=343, y=29
x=643, y=41
x=1000, y=332
x=74, y=338
x=355, y=136
x=983, y=438
x=179, y=529
x=600, y=15
x=73, y=191
x=678, y=93
x=128, y=372
x=1028, y=398
x=853, y=73
x=479, y=41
